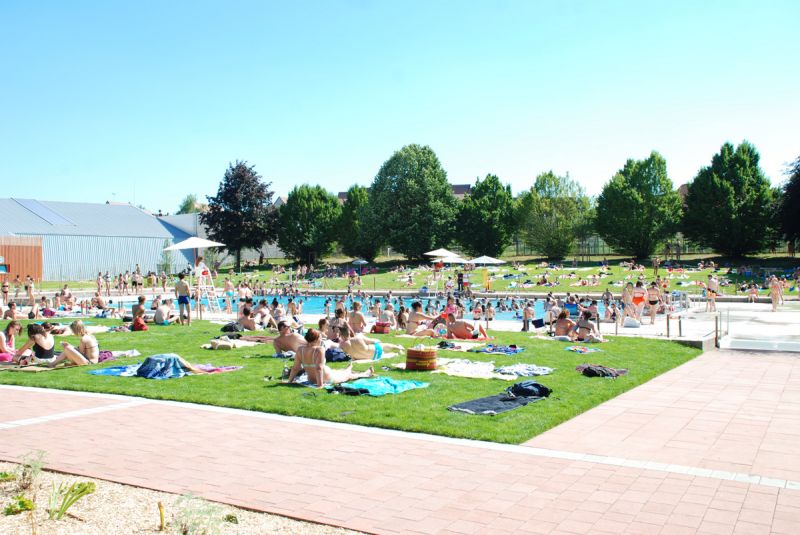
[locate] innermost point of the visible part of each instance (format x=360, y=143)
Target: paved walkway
x=710, y=447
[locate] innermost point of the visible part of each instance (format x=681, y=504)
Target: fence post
x=667, y=325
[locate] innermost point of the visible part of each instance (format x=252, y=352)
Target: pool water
x=315, y=304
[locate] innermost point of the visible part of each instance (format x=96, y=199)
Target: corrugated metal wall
x=69, y=258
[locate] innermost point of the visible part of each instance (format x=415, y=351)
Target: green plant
x=231, y=519
x=196, y=516
x=7, y=476
x=29, y=469
x=68, y=496
x=20, y=504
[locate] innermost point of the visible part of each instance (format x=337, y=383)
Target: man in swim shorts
x=182, y=291
x=463, y=330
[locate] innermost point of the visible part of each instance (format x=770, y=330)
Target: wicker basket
x=421, y=359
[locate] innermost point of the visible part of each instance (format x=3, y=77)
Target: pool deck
x=712, y=446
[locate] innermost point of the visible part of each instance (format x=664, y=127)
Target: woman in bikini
x=586, y=330
x=417, y=324
x=39, y=347
x=87, y=352
x=311, y=359
x=564, y=327
x=627, y=300
x=637, y=299
x=4, y=291
x=653, y=301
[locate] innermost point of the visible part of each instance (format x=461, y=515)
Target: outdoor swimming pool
x=315, y=304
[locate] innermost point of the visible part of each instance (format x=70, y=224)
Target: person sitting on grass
x=564, y=327
x=87, y=352
x=359, y=347
x=387, y=316
x=463, y=330
x=165, y=314
x=12, y=313
x=39, y=347
x=336, y=323
x=417, y=324
x=287, y=339
x=247, y=321
x=311, y=359
x=358, y=323
x=586, y=330
x=8, y=336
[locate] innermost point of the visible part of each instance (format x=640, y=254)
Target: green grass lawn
x=423, y=410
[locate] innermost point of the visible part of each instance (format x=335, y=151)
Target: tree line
x=729, y=207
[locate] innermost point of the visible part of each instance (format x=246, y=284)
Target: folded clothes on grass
x=505, y=350
x=596, y=370
x=582, y=349
x=524, y=370
x=377, y=386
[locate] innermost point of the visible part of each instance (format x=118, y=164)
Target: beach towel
x=377, y=386
x=466, y=368
x=524, y=370
x=596, y=370
x=160, y=367
x=505, y=350
x=492, y=405
x=582, y=349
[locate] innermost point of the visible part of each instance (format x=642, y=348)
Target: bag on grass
x=232, y=327
x=335, y=354
x=528, y=389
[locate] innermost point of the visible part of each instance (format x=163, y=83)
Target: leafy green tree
x=486, y=220
x=189, y=205
x=729, y=205
x=240, y=215
x=357, y=234
x=412, y=203
x=552, y=214
x=638, y=208
x=789, y=205
x=308, y=223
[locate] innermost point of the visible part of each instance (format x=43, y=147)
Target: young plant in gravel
x=29, y=469
x=20, y=504
x=196, y=516
x=7, y=476
x=67, y=496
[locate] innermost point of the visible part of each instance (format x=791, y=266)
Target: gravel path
x=116, y=509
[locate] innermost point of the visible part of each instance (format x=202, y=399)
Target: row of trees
x=729, y=207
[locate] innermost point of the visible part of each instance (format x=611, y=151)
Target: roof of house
x=34, y=217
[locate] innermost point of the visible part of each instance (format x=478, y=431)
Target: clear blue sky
x=107, y=100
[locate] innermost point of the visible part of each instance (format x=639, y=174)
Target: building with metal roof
x=81, y=239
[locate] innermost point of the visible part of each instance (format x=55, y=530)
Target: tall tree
x=308, y=223
x=357, y=234
x=638, y=208
x=729, y=203
x=240, y=215
x=190, y=205
x=788, y=217
x=552, y=214
x=412, y=202
x=486, y=218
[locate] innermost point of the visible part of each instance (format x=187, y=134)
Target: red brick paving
x=402, y=483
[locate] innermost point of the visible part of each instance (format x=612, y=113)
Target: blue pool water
x=315, y=304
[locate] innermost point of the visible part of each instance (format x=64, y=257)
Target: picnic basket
x=421, y=359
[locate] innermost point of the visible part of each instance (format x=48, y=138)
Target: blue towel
x=379, y=386
x=118, y=371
